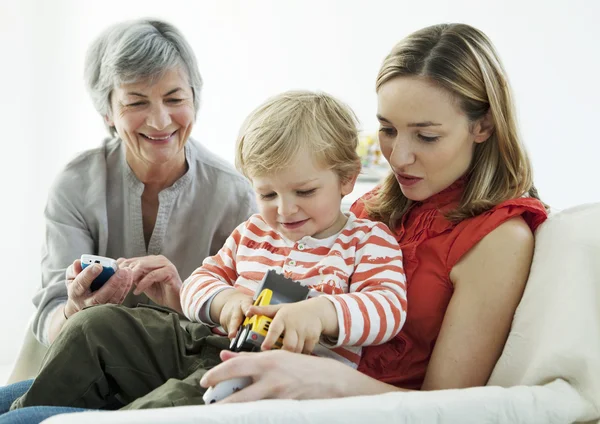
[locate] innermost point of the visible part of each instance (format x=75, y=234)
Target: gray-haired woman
x=149, y=195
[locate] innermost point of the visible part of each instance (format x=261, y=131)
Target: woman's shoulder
x=86, y=167
x=511, y=218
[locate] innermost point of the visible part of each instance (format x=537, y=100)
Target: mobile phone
x=109, y=267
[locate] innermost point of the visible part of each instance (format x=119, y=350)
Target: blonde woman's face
x=302, y=200
x=154, y=120
x=424, y=136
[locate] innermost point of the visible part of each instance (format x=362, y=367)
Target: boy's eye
x=390, y=132
x=306, y=192
x=268, y=196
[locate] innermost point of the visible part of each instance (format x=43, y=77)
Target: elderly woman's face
x=154, y=120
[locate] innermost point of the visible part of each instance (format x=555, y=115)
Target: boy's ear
x=484, y=128
x=348, y=184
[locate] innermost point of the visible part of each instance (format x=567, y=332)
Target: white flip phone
x=109, y=267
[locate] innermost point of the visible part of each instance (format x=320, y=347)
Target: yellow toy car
x=274, y=289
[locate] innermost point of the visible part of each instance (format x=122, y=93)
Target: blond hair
x=462, y=60
x=295, y=121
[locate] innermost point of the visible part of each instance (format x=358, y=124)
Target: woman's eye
x=174, y=101
x=267, y=196
x=428, y=139
x=390, y=132
x=136, y=104
x=306, y=192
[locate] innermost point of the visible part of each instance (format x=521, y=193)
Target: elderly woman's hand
x=157, y=278
x=279, y=374
x=78, y=283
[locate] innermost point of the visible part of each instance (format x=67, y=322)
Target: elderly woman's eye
x=136, y=104
x=174, y=101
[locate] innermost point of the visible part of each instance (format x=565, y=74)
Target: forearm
x=355, y=383
x=218, y=302
x=328, y=316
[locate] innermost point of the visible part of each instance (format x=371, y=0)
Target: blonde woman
x=460, y=200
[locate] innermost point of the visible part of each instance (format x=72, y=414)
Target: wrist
x=218, y=302
x=328, y=316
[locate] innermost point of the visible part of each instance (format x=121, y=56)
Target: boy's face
x=303, y=199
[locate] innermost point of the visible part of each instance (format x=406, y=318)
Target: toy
x=224, y=389
x=274, y=289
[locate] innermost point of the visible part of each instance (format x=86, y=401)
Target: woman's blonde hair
x=296, y=121
x=462, y=60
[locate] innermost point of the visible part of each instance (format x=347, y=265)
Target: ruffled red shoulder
x=358, y=207
x=470, y=231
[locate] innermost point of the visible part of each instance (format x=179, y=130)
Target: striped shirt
x=359, y=270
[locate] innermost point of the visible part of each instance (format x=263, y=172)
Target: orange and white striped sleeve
x=216, y=274
x=374, y=309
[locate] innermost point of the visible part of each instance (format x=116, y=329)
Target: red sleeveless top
x=431, y=246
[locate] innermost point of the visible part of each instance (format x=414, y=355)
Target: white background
x=248, y=50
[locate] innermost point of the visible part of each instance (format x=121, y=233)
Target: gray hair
x=132, y=51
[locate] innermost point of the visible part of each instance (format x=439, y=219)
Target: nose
x=158, y=117
x=402, y=154
x=287, y=206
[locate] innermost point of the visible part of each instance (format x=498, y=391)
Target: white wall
x=249, y=50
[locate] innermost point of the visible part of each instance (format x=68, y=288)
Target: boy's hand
x=303, y=323
x=234, y=310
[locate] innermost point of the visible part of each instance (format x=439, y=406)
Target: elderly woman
x=149, y=194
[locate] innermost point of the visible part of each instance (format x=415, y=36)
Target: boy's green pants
x=111, y=356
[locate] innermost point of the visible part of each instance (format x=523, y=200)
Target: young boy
x=299, y=151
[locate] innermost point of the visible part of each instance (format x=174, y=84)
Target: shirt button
x=292, y=262
x=300, y=246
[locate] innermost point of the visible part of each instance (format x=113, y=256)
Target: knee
x=95, y=320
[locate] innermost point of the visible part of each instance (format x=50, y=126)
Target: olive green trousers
x=110, y=357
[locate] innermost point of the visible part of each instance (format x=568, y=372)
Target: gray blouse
x=95, y=207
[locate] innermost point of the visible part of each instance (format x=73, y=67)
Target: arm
x=205, y=293
x=279, y=374
x=68, y=235
x=488, y=283
x=374, y=310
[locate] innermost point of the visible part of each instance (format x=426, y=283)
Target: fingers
x=152, y=277
x=237, y=317
x=309, y=345
x=291, y=342
x=81, y=284
x=276, y=328
x=73, y=270
x=235, y=365
x=228, y=354
x=255, y=391
x=113, y=290
x=269, y=311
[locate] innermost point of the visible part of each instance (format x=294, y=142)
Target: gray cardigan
x=95, y=207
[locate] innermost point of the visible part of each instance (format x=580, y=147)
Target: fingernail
x=121, y=273
x=203, y=381
x=96, y=268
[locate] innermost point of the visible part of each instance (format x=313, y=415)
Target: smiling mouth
x=159, y=139
x=293, y=225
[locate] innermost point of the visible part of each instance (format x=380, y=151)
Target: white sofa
x=548, y=373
